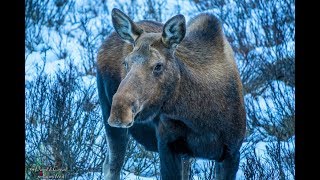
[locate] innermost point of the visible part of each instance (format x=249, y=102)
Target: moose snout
x=119, y=123
x=121, y=114
x=124, y=120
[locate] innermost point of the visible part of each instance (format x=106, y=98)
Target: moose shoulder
x=176, y=89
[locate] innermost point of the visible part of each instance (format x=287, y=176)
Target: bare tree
x=63, y=124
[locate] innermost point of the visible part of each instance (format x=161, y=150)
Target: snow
x=32, y=61
x=265, y=105
x=260, y=149
x=55, y=66
x=131, y=176
x=89, y=80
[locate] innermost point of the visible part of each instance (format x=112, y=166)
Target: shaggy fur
x=176, y=89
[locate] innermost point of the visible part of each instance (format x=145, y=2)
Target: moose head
x=152, y=72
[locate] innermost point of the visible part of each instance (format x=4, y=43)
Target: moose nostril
x=117, y=122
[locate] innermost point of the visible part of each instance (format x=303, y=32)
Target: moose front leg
x=173, y=150
x=227, y=169
x=186, y=167
x=170, y=162
x=117, y=138
x=117, y=143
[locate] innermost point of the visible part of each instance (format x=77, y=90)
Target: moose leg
x=186, y=167
x=117, y=143
x=227, y=169
x=117, y=139
x=170, y=162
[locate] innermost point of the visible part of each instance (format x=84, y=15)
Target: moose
x=176, y=89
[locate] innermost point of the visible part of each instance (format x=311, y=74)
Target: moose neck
x=201, y=92
x=190, y=96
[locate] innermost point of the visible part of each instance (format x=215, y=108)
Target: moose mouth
x=123, y=115
x=119, y=124
x=124, y=119
x=140, y=116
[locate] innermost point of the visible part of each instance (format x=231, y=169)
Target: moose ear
x=174, y=31
x=124, y=26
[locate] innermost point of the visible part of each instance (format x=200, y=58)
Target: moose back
x=175, y=88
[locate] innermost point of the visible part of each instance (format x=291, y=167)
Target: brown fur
x=196, y=104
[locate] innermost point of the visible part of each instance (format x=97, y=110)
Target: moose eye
x=158, y=68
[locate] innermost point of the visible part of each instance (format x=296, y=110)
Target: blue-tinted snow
x=265, y=105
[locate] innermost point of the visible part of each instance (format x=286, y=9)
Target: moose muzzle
x=121, y=114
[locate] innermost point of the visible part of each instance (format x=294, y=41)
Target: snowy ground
x=260, y=150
